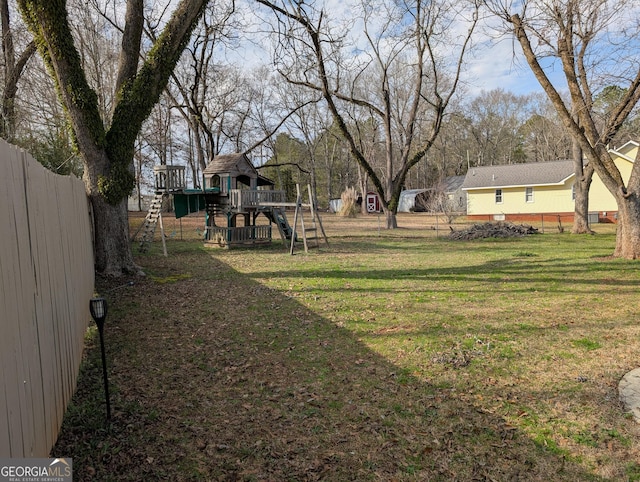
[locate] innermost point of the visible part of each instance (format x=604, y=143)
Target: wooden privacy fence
x=47, y=279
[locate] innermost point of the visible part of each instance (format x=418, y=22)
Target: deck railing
x=239, y=235
x=253, y=198
x=169, y=178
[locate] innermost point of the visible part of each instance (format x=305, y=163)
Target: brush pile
x=493, y=230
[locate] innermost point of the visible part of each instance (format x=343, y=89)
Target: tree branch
x=275, y=129
x=280, y=164
x=131, y=40
x=603, y=165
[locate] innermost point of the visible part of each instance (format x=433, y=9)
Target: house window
x=573, y=192
x=528, y=195
x=498, y=196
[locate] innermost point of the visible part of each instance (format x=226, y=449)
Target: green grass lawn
x=389, y=355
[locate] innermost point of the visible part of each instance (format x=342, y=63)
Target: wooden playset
x=241, y=206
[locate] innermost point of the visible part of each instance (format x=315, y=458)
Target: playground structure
x=234, y=196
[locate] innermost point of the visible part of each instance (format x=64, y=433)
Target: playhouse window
x=215, y=181
x=498, y=196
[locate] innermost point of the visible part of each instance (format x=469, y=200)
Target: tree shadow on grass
x=221, y=378
x=572, y=275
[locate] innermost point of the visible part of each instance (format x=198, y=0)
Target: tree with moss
x=106, y=146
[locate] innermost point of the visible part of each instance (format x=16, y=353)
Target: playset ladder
x=154, y=215
x=315, y=216
x=309, y=234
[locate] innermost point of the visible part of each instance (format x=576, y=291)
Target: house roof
x=625, y=150
x=518, y=175
x=453, y=183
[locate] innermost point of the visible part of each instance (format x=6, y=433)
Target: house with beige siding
x=535, y=191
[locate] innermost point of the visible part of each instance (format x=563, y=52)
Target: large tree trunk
x=111, y=238
x=391, y=218
x=581, y=210
x=628, y=232
x=107, y=155
x=584, y=176
x=112, y=249
x=627, y=200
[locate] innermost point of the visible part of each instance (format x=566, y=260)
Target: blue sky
x=499, y=67
x=494, y=63
x=501, y=64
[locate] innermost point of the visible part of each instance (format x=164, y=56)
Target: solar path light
x=98, y=309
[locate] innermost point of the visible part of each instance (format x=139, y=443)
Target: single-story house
x=453, y=190
x=526, y=192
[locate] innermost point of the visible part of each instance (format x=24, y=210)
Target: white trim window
x=528, y=194
x=498, y=196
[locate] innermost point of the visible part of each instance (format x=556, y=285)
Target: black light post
x=98, y=309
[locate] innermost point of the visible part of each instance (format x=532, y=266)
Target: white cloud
x=499, y=65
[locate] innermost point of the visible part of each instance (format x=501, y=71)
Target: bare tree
x=107, y=146
x=543, y=135
x=497, y=127
x=453, y=151
x=204, y=90
x=595, y=43
x=158, y=132
x=495, y=118
x=13, y=68
x=438, y=201
x=414, y=51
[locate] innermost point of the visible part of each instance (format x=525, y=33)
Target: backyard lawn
x=388, y=355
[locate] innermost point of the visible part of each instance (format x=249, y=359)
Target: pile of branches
x=493, y=230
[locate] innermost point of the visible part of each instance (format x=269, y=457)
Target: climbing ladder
x=310, y=238
x=154, y=216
